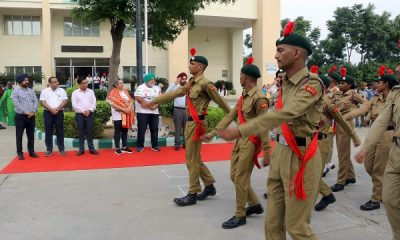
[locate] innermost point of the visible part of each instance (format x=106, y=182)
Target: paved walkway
x=136, y=203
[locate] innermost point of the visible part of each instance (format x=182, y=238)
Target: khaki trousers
x=343, y=143
x=284, y=211
x=376, y=161
x=324, y=148
x=194, y=164
x=391, y=191
x=330, y=150
x=241, y=168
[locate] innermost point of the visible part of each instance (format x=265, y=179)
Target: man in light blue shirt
x=26, y=104
x=180, y=116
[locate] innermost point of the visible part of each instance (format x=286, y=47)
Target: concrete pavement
x=136, y=203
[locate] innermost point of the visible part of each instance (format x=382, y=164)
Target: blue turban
x=20, y=78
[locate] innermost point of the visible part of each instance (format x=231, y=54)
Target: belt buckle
x=282, y=140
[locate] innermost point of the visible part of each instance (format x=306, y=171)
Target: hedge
x=214, y=116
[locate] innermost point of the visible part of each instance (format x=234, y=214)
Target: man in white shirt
x=180, y=117
x=145, y=116
x=84, y=103
x=54, y=99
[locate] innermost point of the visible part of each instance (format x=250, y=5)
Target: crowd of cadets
x=305, y=109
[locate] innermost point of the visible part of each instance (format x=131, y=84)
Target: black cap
x=325, y=79
x=199, y=59
x=390, y=79
x=296, y=40
x=251, y=70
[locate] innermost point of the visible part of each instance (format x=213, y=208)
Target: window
x=35, y=71
x=22, y=25
x=129, y=31
x=74, y=27
x=129, y=72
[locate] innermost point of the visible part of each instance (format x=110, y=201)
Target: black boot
x=350, y=180
x=208, y=191
x=325, y=201
x=187, y=200
x=265, y=195
x=370, y=205
x=234, y=222
x=256, y=209
x=337, y=187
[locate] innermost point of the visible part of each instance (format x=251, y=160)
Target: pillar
x=178, y=56
x=46, y=41
x=236, y=58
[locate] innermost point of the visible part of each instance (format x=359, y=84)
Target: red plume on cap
x=381, y=70
x=332, y=69
x=314, y=69
x=343, y=71
x=390, y=71
x=193, y=51
x=289, y=28
x=250, y=60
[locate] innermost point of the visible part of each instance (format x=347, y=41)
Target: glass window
x=102, y=62
x=76, y=27
x=19, y=70
x=129, y=31
x=8, y=30
x=95, y=29
x=28, y=70
x=37, y=69
x=10, y=70
x=86, y=30
x=27, y=25
x=63, y=62
x=17, y=25
x=126, y=72
x=68, y=26
x=83, y=61
x=36, y=25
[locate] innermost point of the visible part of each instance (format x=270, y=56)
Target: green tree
x=165, y=20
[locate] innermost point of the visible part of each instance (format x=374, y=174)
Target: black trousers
x=85, y=128
x=22, y=122
x=50, y=122
x=180, y=119
x=144, y=119
x=120, y=133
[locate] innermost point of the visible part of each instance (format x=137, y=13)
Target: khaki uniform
x=202, y=91
x=254, y=104
x=331, y=134
x=330, y=113
x=347, y=103
x=390, y=114
x=302, y=111
x=377, y=158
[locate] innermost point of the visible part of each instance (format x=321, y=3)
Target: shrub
x=214, y=115
x=100, y=94
x=103, y=111
x=6, y=77
x=165, y=83
x=166, y=109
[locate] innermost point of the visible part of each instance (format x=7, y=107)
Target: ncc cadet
x=295, y=168
x=347, y=101
x=199, y=92
x=244, y=155
x=330, y=112
x=388, y=116
x=377, y=158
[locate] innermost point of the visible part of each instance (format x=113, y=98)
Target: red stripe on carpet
x=108, y=159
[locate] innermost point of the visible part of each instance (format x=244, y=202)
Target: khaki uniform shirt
x=390, y=114
x=201, y=93
x=377, y=103
x=348, y=103
x=302, y=107
x=254, y=104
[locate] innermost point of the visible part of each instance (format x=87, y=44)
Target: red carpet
x=108, y=159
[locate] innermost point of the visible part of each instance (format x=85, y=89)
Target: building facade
x=40, y=36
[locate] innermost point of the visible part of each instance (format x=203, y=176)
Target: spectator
x=264, y=89
x=26, y=105
x=145, y=93
x=180, y=116
x=54, y=100
x=84, y=103
x=122, y=115
x=3, y=113
x=96, y=81
x=7, y=100
x=68, y=84
x=222, y=91
x=90, y=81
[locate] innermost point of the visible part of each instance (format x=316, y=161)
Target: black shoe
x=234, y=222
x=118, y=151
x=187, y=200
x=325, y=172
x=21, y=157
x=155, y=149
x=48, y=153
x=370, y=205
x=126, y=150
x=350, y=180
x=94, y=152
x=63, y=153
x=184, y=146
x=337, y=187
x=333, y=166
x=79, y=153
x=2, y=127
x=325, y=201
x=256, y=209
x=208, y=191
x=177, y=148
x=265, y=195
x=33, y=155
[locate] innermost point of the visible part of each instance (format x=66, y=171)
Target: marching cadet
x=329, y=113
x=199, y=92
x=295, y=167
x=378, y=156
x=388, y=116
x=244, y=155
x=347, y=101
